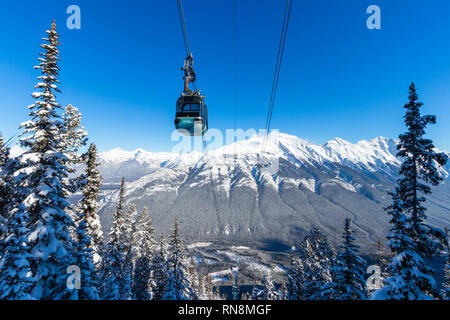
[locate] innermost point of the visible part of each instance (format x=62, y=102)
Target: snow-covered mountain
x=225, y=196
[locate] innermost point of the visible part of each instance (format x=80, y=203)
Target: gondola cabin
x=191, y=116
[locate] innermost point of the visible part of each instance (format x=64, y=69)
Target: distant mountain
x=225, y=196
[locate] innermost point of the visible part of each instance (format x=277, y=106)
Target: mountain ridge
x=227, y=197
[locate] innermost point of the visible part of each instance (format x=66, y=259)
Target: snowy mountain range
x=225, y=196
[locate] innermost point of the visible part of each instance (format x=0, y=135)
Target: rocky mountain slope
x=225, y=196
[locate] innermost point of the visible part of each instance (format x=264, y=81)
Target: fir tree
x=349, y=270
x=411, y=240
x=267, y=292
x=116, y=270
x=294, y=286
x=127, y=230
x=177, y=285
x=85, y=261
x=143, y=244
x=42, y=176
x=316, y=265
x=89, y=205
x=10, y=195
x=16, y=281
x=159, y=270
x=75, y=137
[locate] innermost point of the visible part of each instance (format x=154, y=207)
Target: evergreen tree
x=85, y=261
x=16, y=281
x=116, y=270
x=89, y=205
x=411, y=240
x=75, y=137
x=267, y=292
x=177, y=285
x=143, y=244
x=10, y=195
x=349, y=270
x=159, y=270
x=116, y=233
x=294, y=286
x=127, y=230
x=41, y=179
x=316, y=265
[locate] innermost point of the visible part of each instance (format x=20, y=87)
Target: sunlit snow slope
x=228, y=198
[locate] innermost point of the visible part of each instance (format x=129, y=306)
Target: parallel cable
x=281, y=49
x=185, y=34
x=183, y=27
x=235, y=75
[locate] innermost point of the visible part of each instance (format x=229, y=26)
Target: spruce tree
x=268, y=291
x=144, y=245
x=159, y=270
x=411, y=240
x=349, y=270
x=317, y=261
x=42, y=177
x=126, y=232
x=177, y=285
x=294, y=286
x=75, y=137
x=89, y=205
x=16, y=281
x=115, y=269
x=84, y=258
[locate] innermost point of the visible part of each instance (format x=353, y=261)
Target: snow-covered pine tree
x=159, y=270
x=41, y=177
x=16, y=281
x=115, y=235
x=205, y=290
x=411, y=240
x=89, y=205
x=348, y=270
x=317, y=261
x=294, y=285
x=75, y=138
x=268, y=291
x=177, y=285
x=84, y=258
x=143, y=247
x=115, y=268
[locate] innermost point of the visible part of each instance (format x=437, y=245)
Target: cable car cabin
x=192, y=115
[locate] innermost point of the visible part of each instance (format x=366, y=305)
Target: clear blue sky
x=338, y=79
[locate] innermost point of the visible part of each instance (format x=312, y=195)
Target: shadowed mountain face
x=225, y=198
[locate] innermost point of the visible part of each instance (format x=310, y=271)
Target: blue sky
x=338, y=79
